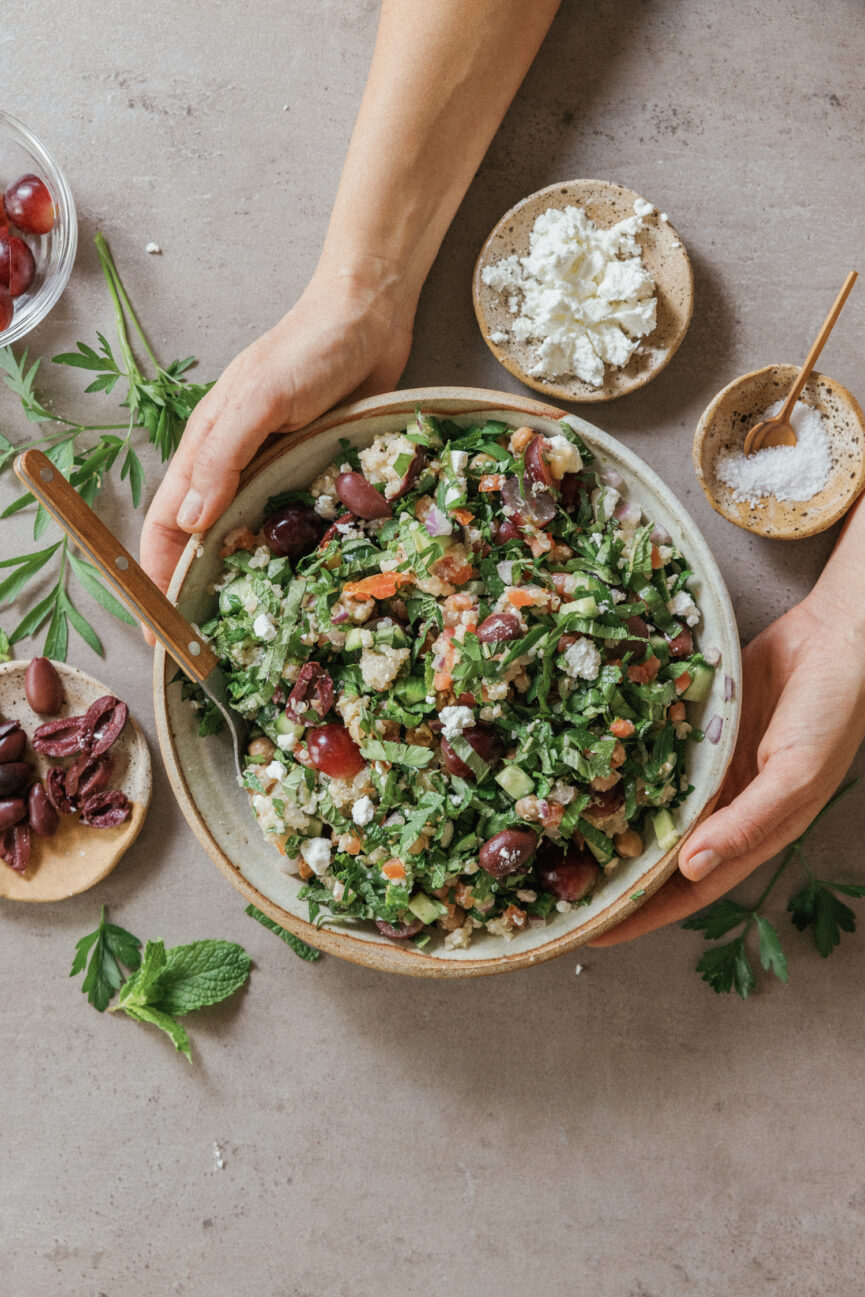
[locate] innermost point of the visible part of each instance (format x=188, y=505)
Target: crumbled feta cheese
x=455, y=719
x=582, y=660
x=266, y=813
x=276, y=770
x=264, y=627
x=618, y=595
x=642, y=208
x=316, y=853
x=498, y=337
x=326, y=507
x=562, y=456
x=285, y=742
x=682, y=605
x=363, y=811
x=154, y=249
x=261, y=557
x=563, y=906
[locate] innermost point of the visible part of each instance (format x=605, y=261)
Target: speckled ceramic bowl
x=664, y=257
x=77, y=857
x=202, y=770
x=738, y=407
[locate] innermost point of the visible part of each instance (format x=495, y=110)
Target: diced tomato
x=453, y=570
x=643, y=672
x=656, y=558
x=383, y=585
x=622, y=728
x=491, y=482
x=520, y=598
x=463, y=516
x=682, y=682
x=394, y=870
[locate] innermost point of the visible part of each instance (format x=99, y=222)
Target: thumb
x=768, y=814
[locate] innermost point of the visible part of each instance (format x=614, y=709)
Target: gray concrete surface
x=621, y=1134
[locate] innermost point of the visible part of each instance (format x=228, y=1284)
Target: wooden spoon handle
x=129, y=582
x=783, y=414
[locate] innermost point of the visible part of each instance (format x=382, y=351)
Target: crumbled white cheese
x=363, y=811
x=264, y=627
x=266, y=813
x=326, y=507
x=154, y=249
x=285, y=742
x=455, y=719
x=582, y=294
x=618, y=595
x=642, y=208
x=682, y=605
x=562, y=456
x=261, y=557
x=276, y=770
x=582, y=660
x=498, y=337
x=316, y=853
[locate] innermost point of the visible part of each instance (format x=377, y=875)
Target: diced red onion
x=713, y=729
x=505, y=570
x=612, y=478
x=712, y=656
x=628, y=512
x=660, y=536
x=728, y=688
x=437, y=524
x=339, y=616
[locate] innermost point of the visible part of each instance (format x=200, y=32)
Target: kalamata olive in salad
x=500, y=626
x=402, y=933
x=485, y=741
x=43, y=687
x=538, y=471
x=293, y=531
x=41, y=814
x=412, y=473
x=606, y=801
x=639, y=629
x=17, y=266
x=569, y=875
x=29, y=205
x=361, y=497
x=508, y=852
x=12, y=745
x=682, y=645
x=12, y=810
x=312, y=696
x=14, y=775
x=334, y=752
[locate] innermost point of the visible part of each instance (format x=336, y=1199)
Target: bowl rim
x=50, y=291
x=831, y=515
x=388, y=956
x=588, y=396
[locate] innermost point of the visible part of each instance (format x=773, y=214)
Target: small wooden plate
x=738, y=407
x=76, y=857
x=664, y=257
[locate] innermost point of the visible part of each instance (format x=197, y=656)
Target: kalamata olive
x=102, y=724
x=293, y=531
x=537, y=467
x=334, y=752
x=403, y=932
x=361, y=497
x=333, y=530
x=14, y=775
x=12, y=745
x=6, y=727
x=15, y=847
x=605, y=802
x=412, y=473
x=508, y=530
x=508, y=852
x=638, y=645
x=55, y=786
x=682, y=645
x=12, y=809
x=87, y=774
x=537, y=506
x=43, y=687
x=499, y=626
x=106, y=809
x=41, y=814
x=60, y=738
x=569, y=491
x=485, y=741
x=569, y=875
x=312, y=696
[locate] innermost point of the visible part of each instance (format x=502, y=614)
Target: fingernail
x=190, y=511
x=703, y=863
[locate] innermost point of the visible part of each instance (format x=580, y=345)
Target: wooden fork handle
x=120, y=570
x=819, y=343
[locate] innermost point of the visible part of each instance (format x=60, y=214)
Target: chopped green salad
x=467, y=659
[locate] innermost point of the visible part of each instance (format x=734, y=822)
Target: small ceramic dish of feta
x=584, y=290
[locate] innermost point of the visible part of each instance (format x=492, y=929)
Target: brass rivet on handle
x=46, y=474
x=194, y=647
x=122, y=562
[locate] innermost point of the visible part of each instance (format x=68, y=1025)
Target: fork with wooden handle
x=180, y=639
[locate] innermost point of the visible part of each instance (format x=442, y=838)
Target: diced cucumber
x=231, y=599
x=284, y=726
x=665, y=829
x=389, y=633
x=353, y=639
x=426, y=909
x=515, y=782
x=701, y=682
x=585, y=607
x=411, y=690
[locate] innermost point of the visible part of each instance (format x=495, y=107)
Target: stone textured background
x=623, y=1133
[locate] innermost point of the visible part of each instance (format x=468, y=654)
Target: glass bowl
x=54, y=252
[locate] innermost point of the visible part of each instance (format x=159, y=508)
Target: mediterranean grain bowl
x=476, y=674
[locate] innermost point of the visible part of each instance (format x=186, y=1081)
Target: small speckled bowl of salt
x=786, y=492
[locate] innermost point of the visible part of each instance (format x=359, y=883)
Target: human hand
x=803, y=717
x=346, y=335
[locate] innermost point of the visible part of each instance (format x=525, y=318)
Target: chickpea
x=520, y=439
x=262, y=747
x=618, y=756
x=603, y=783
x=628, y=844
x=455, y=918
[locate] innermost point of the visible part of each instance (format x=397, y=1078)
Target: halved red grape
x=537, y=467
x=334, y=752
x=17, y=266
x=29, y=205
x=485, y=741
x=508, y=851
x=401, y=933
x=508, y=530
x=537, y=507
x=7, y=309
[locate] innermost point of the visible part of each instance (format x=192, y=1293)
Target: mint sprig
x=299, y=947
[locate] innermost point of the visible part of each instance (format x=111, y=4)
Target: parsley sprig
x=816, y=906
x=157, y=406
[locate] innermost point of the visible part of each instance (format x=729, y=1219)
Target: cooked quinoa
x=470, y=708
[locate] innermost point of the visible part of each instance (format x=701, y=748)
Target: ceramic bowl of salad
x=491, y=673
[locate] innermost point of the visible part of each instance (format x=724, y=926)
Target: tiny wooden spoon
x=778, y=430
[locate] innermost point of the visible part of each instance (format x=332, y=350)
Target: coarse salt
x=786, y=472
